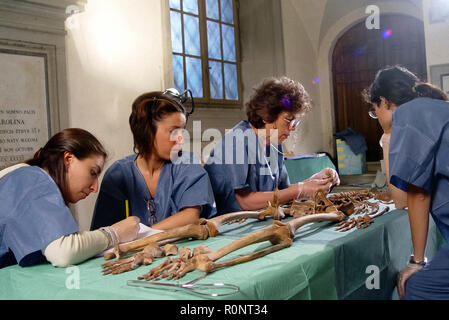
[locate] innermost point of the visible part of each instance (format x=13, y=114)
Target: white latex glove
x=406, y=273
x=307, y=188
x=325, y=174
x=123, y=231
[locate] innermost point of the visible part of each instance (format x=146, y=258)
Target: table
x=321, y=264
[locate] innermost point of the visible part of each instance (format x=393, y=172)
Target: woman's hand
x=127, y=229
x=406, y=273
x=326, y=174
x=307, y=188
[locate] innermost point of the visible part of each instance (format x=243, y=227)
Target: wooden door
x=357, y=57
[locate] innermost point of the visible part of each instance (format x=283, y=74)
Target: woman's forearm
x=418, y=212
x=75, y=248
x=399, y=196
x=259, y=200
x=184, y=217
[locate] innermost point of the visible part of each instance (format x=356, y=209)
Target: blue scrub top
x=419, y=153
x=180, y=185
x=241, y=161
x=32, y=215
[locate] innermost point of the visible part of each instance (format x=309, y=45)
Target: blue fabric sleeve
x=37, y=213
x=415, y=137
x=110, y=205
x=411, y=158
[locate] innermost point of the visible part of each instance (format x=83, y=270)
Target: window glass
x=190, y=6
x=216, y=80
x=227, y=14
x=228, y=43
x=192, y=35
x=230, y=79
x=194, y=76
x=213, y=40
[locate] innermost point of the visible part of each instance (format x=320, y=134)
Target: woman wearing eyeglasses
x=416, y=116
x=247, y=165
x=162, y=189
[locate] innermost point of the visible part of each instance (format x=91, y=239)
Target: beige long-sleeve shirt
x=75, y=248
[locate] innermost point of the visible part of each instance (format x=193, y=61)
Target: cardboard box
x=349, y=163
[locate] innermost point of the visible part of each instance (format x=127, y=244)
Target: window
x=204, y=39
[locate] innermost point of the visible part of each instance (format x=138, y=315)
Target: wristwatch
x=421, y=263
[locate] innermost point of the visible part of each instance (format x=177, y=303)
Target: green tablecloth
x=321, y=264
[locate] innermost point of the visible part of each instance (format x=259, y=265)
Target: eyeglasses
x=372, y=113
x=293, y=124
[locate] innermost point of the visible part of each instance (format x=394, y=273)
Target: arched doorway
x=358, y=54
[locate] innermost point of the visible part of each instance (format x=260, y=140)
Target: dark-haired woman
x=35, y=222
x=163, y=193
x=417, y=115
x=247, y=165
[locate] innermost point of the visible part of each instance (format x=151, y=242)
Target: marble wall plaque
x=24, y=111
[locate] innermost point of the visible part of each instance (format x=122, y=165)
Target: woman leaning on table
x=416, y=116
x=247, y=165
x=36, y=224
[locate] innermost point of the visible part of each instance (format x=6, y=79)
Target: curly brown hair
x=274, y=96
x=147, y=110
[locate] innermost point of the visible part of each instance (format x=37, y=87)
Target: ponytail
x=427, y=90
x=398, y=85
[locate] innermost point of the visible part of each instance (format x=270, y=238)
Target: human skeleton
x=336, y=207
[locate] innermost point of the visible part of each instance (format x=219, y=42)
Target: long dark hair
x=81, y=143
x=147, y=110
x=398, y=85
x=272, y=97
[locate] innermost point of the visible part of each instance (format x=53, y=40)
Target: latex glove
x=123, y=231
x=406, y=273
x=307, y=188
x=327, y=173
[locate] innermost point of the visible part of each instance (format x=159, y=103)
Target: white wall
x=301, y=65
x=437, y=39
x=114, y=53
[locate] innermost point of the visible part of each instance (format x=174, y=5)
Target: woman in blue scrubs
x=416, y=114
x=36, y=224
x=247, y=164
x=162, y=189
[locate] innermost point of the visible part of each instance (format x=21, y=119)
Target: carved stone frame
x=48, y=53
